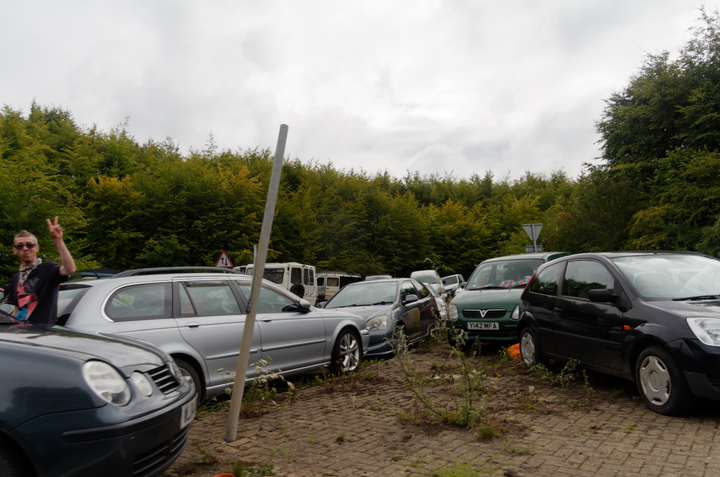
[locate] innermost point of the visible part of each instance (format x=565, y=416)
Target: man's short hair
x=25, y=233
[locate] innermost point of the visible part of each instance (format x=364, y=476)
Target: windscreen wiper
x=699, y=297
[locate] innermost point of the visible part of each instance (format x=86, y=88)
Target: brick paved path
x=353, y=429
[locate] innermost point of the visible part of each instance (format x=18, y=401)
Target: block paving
x=354, y=426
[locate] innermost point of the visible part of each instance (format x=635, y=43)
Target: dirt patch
x=528, y=423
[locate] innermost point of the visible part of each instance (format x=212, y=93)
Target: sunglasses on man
x=20, y=246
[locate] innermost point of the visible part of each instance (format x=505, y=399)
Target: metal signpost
x=260, y=257
x=533, y=230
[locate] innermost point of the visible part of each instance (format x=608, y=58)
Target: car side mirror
x=322, y=304
x=410, y=299
x=602, y=296
x=462, y=285
x=304, y=305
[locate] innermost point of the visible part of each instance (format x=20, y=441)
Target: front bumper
x=139, y=447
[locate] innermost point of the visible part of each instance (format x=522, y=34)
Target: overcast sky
x=456, y=87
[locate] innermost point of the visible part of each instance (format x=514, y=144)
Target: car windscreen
x=364, y=294
x=503, y=274
x=450, y=280
x=671, y=276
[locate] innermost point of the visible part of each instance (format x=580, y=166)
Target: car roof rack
x=130, y=273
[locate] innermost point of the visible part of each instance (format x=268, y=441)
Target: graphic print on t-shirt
x=27, y=299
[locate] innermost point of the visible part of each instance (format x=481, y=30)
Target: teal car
x=487, y=309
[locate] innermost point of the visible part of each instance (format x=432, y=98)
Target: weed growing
x=240, y=469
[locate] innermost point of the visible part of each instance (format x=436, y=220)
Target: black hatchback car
x=651, y=317
x=74, y=404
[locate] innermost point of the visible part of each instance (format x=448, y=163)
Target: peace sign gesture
x=55, y=230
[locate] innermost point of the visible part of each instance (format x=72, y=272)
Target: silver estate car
x=198, y=319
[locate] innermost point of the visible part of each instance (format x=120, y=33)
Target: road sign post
x=260, y=256
x=533, y=230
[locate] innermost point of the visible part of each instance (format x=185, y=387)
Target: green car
x=487, y=308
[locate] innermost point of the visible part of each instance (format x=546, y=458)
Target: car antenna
x=90, y=268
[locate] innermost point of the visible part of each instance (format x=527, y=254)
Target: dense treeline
x=129, y=205
x=125, y=204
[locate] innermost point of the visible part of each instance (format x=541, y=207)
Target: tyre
x=661, y=382
x=347, y=352
x=189, y=373
x=530, y=348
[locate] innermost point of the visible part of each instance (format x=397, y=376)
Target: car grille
x=164, y=379
x=477, y=314
x=148, y=463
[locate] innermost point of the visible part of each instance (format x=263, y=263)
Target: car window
x=270, y=301
x=210, y=297
x=364, y=294
x=546, y=281
x=407, y=288
x=321, y=281
x=422, y=290
x=333, y=282
x=275, y=275
x=309, y=277
x=503, y=274
x=581, y=276
x=450, y=280
x=296, y=276
x=138, y=302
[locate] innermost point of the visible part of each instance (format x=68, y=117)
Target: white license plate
x=483, y=325
x=187, y=413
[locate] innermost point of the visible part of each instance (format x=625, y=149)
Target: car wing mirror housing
x=304, y=305
x=602, y=296
x=410, y=299
x=322, y=304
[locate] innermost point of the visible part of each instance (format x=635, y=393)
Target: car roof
x=525, y=256
x=636, y=253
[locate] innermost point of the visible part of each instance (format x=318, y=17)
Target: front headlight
x=377, y=323
x=106, y=382
x=707, y=330
x=516, y=313
x=142, y=383
x=452, y=312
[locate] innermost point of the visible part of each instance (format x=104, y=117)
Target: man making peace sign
x=34, y=290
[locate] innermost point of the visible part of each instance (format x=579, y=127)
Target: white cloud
x=370, y=85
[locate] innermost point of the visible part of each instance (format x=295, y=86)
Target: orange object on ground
x=514, y=351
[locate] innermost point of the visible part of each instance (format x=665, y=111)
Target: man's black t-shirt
x=37, y=298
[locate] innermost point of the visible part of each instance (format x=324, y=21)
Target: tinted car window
x=321, y=281
x=139, y=302
x=546, y=281
x=275, y=275
x=584, y=275
x=210, y=297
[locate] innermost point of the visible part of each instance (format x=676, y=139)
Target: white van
x=329, y=283
x=288, y=274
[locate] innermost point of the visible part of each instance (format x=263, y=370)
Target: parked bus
x=329, y=283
